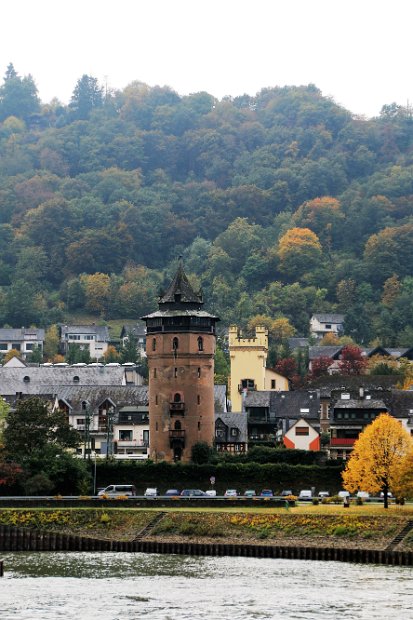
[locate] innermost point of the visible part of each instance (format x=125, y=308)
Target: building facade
x=180, y=348
x=248, y=367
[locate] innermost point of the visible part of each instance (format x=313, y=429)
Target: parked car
x=172, y=493
x=286, y=493
x=151, y=492
x=305, y=495
x=211, y=493
x=389, y=495
x=266, y=493
x=343, y=494
x=116, y=490
x=193, y=493
x=230, y=493
x=250, y=493
x=323, y=494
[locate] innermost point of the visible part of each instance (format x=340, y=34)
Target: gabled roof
x=30, y=334
x=235, y=420
x=101, y=331
x=286, y=404
x=362, y=403
x=326, y=317
x=329, y=351
x=353, y=382
x=137, y=330
x=94, y=396
x=46, y=380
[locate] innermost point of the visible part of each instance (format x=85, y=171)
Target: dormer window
x=26, y=379
x=76, y=379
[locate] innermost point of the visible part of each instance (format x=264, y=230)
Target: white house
x=326, y=323
x=95, y=338
x=24, y=340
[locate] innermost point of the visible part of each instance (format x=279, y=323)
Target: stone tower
x=180, y=347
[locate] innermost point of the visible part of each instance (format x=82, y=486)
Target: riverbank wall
x=20, y=539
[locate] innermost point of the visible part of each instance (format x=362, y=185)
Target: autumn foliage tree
x=379, y=457
x=351, y=361
x=299, y=251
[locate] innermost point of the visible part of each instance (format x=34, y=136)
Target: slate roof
x=121, y=396
x=137, y=330
x=235, y=420
x=297, y=343
x=181, y=286
x=45, y=380
x=8, y=334
x=329, y=351
x=220, y=398
x=101, y=331
x=325, y=317
x=365, y=403
x=287, y=404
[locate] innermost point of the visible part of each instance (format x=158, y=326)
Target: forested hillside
x=281, y=204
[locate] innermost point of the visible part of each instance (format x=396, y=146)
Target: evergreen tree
x=86, y=96
x=18, y=96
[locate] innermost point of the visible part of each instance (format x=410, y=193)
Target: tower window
x=153, y=344
x=199, y=373
x=177, y=398
x=200, y=344
x=178, y=426
x=156, y=426
x=175, y=344
x=156, y=399
x=175, y=372
x=198, y=399
x=199, y=426
x=154, y=373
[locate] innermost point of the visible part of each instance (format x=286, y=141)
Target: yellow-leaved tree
x=379, y=457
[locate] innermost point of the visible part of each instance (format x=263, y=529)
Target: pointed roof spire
x=180, y=290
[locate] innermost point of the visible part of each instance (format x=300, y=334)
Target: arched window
x=200, y=344
x=175, y=344
x=76, y=379
x=153, y=344
x=178, y=425
x=26, y=379
x=177, y=398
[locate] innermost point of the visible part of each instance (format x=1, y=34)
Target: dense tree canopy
x=282, y=204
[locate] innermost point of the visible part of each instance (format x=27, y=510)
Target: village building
x=24, y=340
x=249, y=372
x=92, y=338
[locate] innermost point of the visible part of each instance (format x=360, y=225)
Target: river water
x=120, y=586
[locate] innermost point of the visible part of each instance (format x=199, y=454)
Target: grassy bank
x=360, y=526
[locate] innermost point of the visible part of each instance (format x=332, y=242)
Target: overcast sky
x=356, y=51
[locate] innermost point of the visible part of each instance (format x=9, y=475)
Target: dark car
x=172, y=493
x=286, y=493
x=266, y=493
x=193, y=493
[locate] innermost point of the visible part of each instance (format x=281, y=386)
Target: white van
x=116, y=490
x=305, y=495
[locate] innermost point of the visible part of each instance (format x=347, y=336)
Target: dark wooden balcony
x=177, y=438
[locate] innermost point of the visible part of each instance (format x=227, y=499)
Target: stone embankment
x=20, y=539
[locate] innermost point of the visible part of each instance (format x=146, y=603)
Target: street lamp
x=87, y=448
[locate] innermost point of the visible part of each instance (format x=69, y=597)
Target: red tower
x=180, y=347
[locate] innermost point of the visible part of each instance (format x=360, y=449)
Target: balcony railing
x=178, y=408
x=342, y=441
